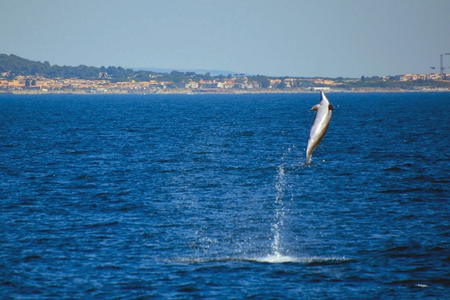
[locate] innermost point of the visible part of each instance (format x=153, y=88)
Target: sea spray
x=279, y=210
x=280, y=187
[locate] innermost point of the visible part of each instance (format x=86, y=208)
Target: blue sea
x=208, y=197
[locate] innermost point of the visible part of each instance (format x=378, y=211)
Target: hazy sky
x=270, y=37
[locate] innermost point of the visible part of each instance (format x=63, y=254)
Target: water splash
x=271, y=259
x=279, y=210
x=280, y=187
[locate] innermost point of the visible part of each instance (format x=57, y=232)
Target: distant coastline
x=22, y=76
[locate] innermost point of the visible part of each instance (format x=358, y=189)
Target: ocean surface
x=207, y=196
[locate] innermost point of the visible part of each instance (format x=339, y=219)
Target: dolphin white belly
x=319, y=128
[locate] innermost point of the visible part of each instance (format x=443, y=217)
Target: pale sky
x=332, y=38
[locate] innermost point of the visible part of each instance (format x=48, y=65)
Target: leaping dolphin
x=321, y=122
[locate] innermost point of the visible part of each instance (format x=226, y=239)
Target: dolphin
x=324, y=111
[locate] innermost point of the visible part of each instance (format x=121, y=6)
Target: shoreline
x=216, y=92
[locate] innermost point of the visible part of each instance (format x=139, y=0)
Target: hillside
x=17, y=65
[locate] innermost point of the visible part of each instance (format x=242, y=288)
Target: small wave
x=398, y=248
x=8, y=146
x=167, y=160
x=101, y=224
x=413, y=250
x=188, y=288
x=414, y=269
x=401, y=191
x=108, y=267
x=76, y=152
x=202, y=160
x=413, y=190
x=168, y=171
x=411, y=283
x=84, y=177
x=394, y=169
x=245, y=133
x=439, y=180
x=31, y=258
x=131, y=130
